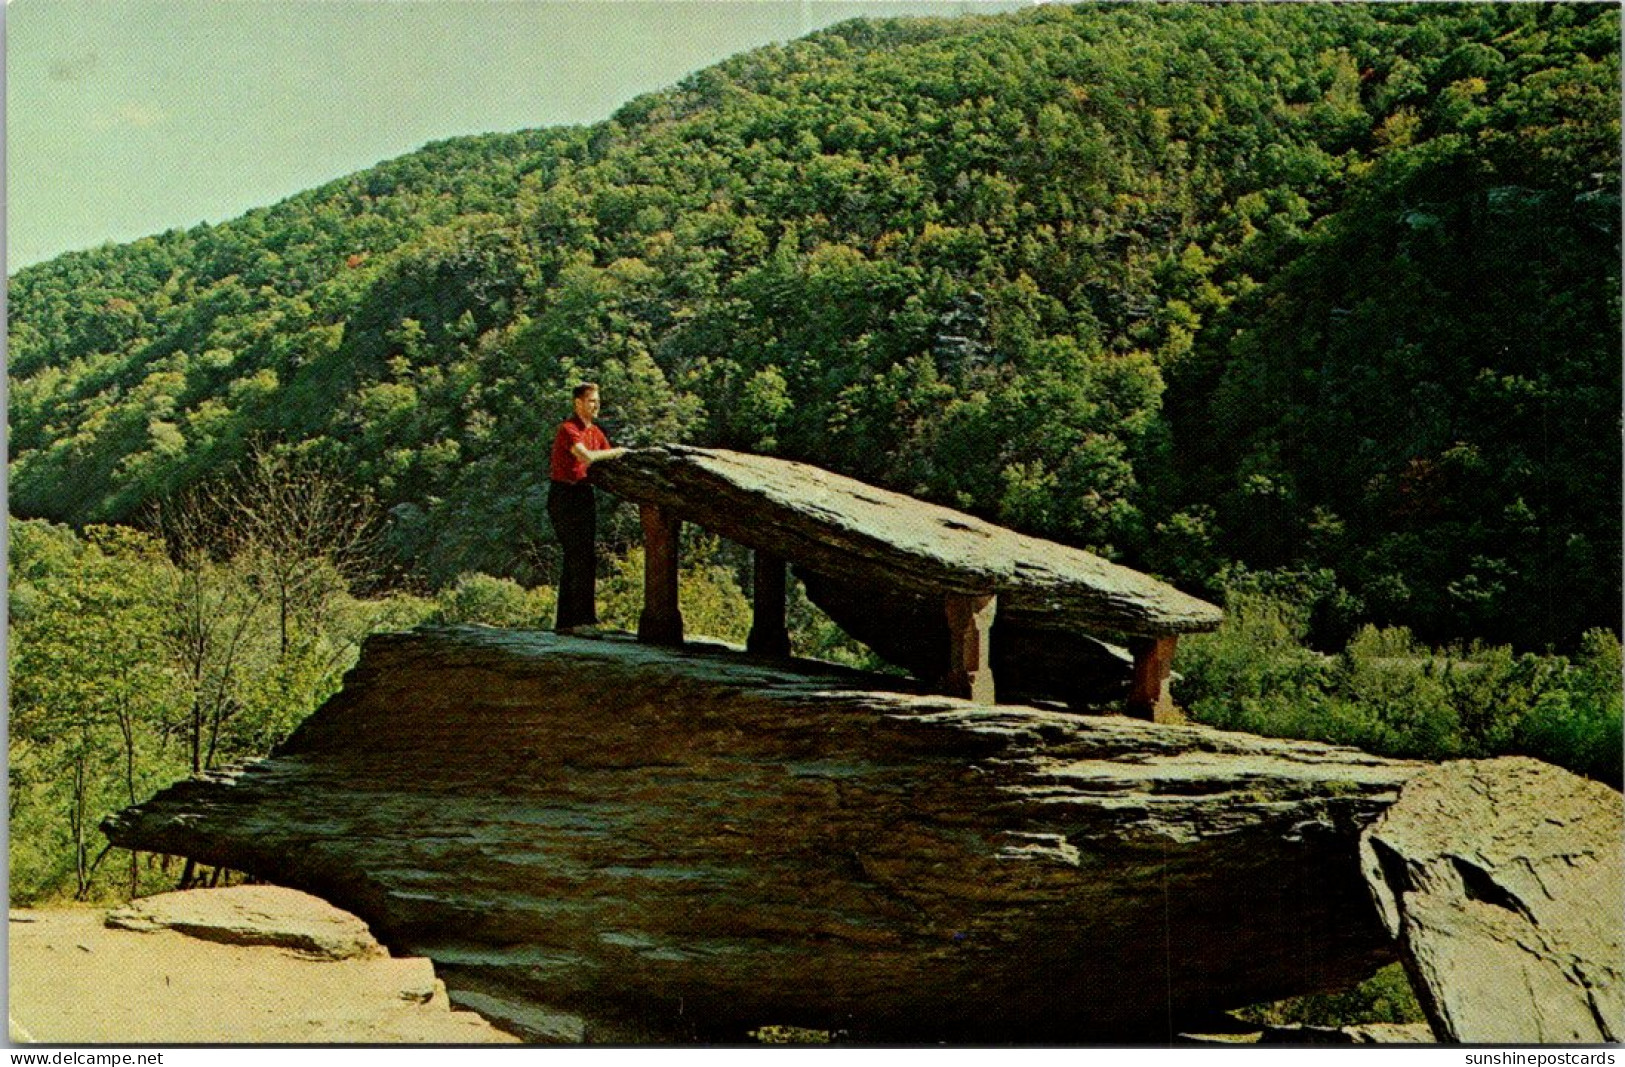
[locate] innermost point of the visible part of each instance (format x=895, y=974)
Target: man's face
x=587, y=406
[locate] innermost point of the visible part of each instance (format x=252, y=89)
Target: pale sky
x=130, y=117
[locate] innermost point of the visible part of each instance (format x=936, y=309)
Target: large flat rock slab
x=843, y=527
x=601, y=840
x=254, y=915
x=1503, y=882
x=74, y=980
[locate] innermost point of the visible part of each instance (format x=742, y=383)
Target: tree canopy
x=1303, y=288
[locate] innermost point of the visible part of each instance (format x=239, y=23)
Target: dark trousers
x=575, y=521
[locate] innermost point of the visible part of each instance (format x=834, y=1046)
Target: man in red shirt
x=579, y=444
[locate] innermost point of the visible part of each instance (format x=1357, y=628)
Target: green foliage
x=789, y=1035
x=1350, y=412
x=90, y=691
x=708, y=593
x=1579, y=726
x=134, y=662
x=1385, y=997
x=1331, y=288
x=1255, y=671
x=492, y=601
x=1389, y=694
x=399, y=611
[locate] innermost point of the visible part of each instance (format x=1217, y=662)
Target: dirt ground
x=74, y=981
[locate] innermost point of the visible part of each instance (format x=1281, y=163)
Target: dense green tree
x=135, y=660
x=90, y=693
x=1301, y=287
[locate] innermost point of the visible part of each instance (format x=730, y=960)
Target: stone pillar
x=970, y=625
x=768, y=634
x=661, y=622
x=1148, y=693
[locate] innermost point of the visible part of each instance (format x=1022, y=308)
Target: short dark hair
x=583, y=389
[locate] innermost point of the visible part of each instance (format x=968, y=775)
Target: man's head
x=586, y=401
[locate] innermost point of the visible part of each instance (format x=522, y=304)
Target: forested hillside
x=1330, y=292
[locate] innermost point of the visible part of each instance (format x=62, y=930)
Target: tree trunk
x=76, y=823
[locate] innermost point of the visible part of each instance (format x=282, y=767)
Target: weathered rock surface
x=1504, y=883
x=845, y=528
x=634, y=843
x=74, y=980
x=1233, y=1031
x=1356, y=1034
x=253, y=915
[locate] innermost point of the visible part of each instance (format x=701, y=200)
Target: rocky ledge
x=635, y=843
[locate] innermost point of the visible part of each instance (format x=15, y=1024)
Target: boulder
x=1503, y=882
x=253, y=915
x=622, y=842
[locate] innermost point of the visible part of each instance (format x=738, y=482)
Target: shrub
x=1385, y=997
x=1579, y=726
x=1391, y=699
x=1388, y=694
x=1254, y=673
x=480, y=598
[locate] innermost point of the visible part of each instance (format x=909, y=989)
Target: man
x=571, y=506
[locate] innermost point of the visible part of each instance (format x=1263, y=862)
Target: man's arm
x=588, y=456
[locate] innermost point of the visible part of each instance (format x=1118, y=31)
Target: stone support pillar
x=1148, y=696
x=662, y=621
x=768, y=634
x=970, y=626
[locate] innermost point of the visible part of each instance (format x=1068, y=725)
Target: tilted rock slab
x=253, y=915
x=651, y=844
x=845, y=528
x=1504, y=882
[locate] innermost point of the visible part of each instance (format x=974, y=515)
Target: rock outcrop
x=75, y=979
x=1503, y=882
x=253, y=915
x=620, y=842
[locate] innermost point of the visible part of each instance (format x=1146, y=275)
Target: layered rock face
x=1503, y=882
x=674, y=845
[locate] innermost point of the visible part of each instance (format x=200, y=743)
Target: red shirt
x=566, y=466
